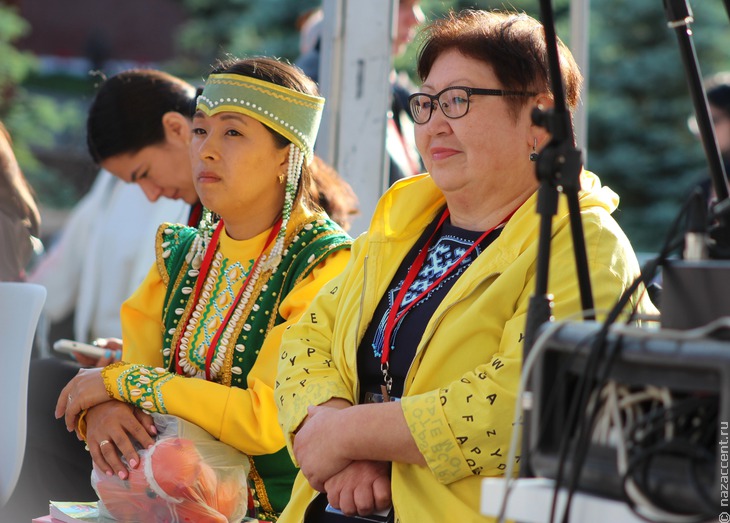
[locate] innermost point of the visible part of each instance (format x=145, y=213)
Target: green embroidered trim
x=178, y=239
x=307, y=243
x=140, y=386
x=261, y=499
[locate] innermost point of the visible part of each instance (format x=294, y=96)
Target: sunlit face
x=161, y=170
x=236, y=165
x=487, y=149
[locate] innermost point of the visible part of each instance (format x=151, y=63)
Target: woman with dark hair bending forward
x=438, y=327
x=219, y=297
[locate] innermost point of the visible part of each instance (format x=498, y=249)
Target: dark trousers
x=56, y=466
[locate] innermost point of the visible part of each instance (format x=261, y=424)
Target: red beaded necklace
x=204, y=270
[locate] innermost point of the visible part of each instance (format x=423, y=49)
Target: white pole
x=356, y=61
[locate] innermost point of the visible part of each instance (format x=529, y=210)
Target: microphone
x=696, y=237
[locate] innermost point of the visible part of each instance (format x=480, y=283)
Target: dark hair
x=126, y=114
x=332, y=193
x=512, y=43
x=286, y=75
x=718, y=91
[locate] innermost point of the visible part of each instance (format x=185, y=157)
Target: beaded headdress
x=290, y=113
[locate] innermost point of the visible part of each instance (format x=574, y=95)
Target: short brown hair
x=512, y=43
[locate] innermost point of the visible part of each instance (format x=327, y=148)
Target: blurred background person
x=101, y=256
x=717, y=89
x=19, y=217
x=104, y=253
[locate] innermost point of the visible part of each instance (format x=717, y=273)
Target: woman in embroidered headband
x=222, y=294
x=440, y=325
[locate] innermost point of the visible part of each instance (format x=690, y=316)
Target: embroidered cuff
x=107, y=380
x=432, y=433
x=140, y=386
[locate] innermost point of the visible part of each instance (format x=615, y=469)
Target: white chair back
x=20, y=308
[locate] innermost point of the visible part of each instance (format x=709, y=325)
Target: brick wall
x=137, y=30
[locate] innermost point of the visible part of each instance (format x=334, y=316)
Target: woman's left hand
x=361, y=488
x=84, y=391
x=316, y=448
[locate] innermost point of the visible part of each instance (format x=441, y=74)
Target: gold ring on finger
x=103, y=442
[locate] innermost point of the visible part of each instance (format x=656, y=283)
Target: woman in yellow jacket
x=431, y=309
x=202, y=333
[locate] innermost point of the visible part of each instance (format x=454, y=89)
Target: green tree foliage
x=34, y=120
x=217, y=28
x=637, y=96
x=15, y=65
x=638, y=104
x=638, y=101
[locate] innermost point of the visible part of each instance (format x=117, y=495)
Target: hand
x=361, y=488
x=315, y=447
x=84, y=391
x=113, y=353
x=120, y=425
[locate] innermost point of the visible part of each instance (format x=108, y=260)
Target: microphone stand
x=558, y=168
x=679, y=16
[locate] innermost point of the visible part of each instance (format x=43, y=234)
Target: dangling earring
x=533, y=154
x=281, y=177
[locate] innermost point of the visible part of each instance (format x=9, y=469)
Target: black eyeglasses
x=454, y=101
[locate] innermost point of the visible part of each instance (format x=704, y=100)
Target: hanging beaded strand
x=203, y=294
x=195, y=254
x=294, y=171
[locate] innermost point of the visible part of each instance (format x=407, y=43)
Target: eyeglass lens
x=454, y=102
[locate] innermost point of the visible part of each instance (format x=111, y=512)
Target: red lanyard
x=204, y=268
x=393, y=315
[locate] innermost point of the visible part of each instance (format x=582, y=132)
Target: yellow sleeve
x=141, y=318
x=243, y=418
x=455, y=442
x=300, y=384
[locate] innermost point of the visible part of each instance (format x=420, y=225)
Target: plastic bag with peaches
x=186, y=476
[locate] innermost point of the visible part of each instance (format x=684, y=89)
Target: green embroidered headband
x=292, y=114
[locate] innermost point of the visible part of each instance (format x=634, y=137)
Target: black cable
x=551, y=402
x=709, y=504
x=660, y=416
x=691, y=417
x=583, y=440
x=643, y=462
x=580, y=401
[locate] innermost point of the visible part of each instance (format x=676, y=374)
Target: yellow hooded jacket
x=460, y=390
